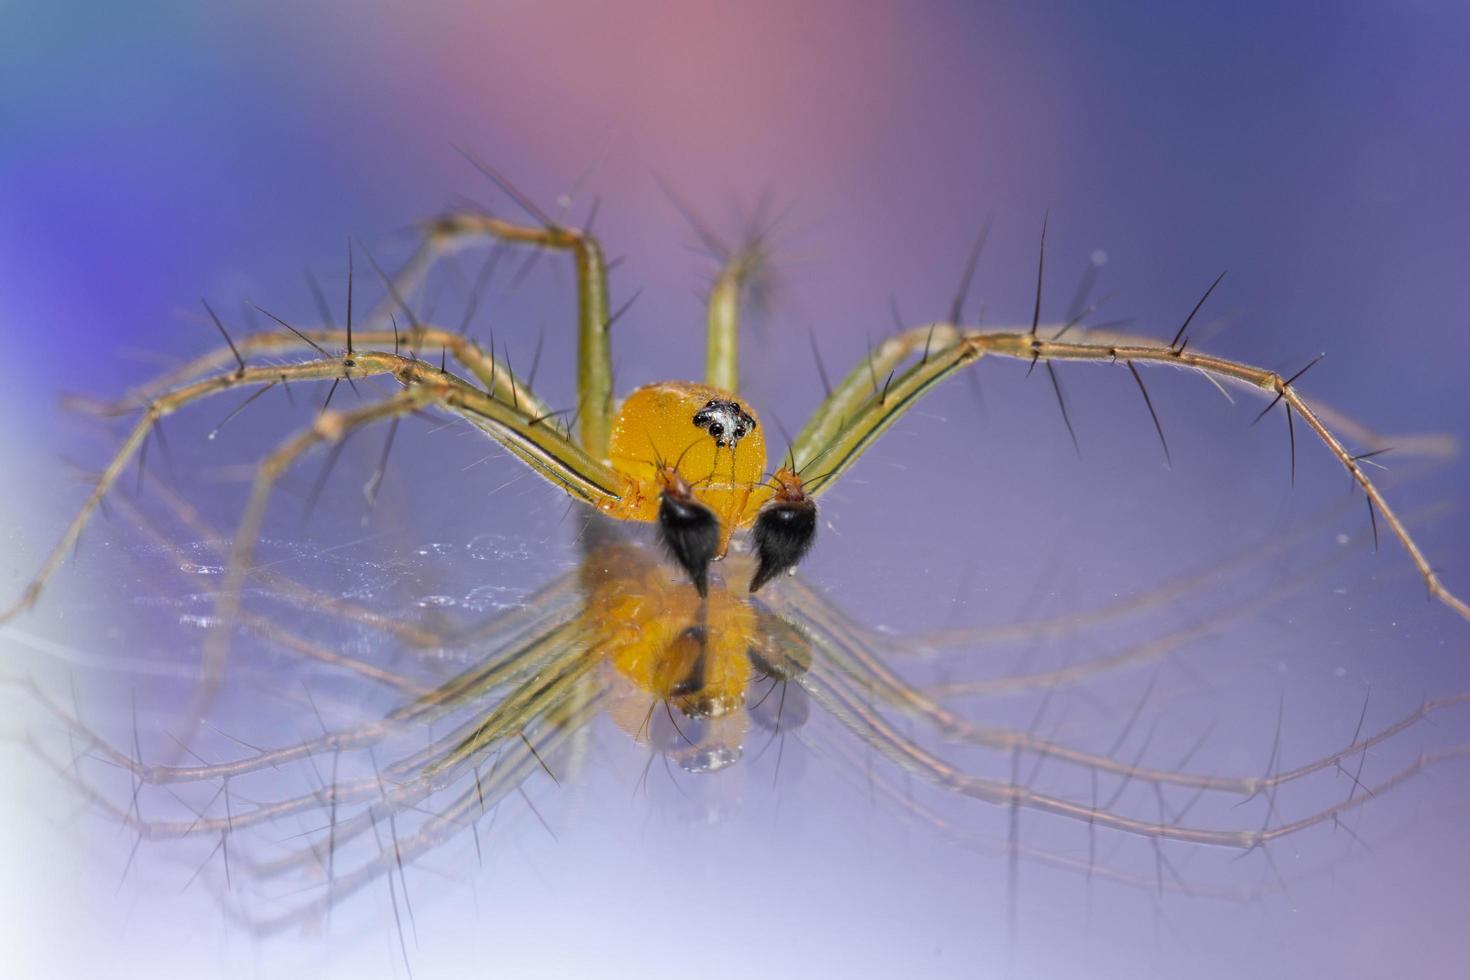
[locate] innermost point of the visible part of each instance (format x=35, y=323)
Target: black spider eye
x=690, y=533
x=726, y=422
x=784, y=533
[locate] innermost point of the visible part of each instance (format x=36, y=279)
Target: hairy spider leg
x=844, y=667
x=594, y=352
x=857, y=412
x=530, y=437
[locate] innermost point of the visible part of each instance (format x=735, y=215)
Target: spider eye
x=784, y=533
x=726, y=422
x=690, y=533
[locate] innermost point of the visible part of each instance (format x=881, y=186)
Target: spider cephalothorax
x=725, y=421
x=702, y=485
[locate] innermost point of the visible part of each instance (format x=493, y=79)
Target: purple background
x=153, y=153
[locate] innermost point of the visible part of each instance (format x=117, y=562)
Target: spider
x=688, y=456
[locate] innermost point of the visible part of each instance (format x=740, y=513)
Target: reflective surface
x=1020, y=713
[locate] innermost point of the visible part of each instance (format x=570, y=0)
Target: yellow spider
x=689, y=456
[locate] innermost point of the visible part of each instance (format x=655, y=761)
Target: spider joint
x=329, y=426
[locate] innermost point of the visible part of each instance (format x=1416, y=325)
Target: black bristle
x=1178, y=336
x=1040, y=267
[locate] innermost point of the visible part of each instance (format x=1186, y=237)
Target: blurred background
x=154, y=153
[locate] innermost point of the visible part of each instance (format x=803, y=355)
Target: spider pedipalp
x=784, y=530
x=689, y=531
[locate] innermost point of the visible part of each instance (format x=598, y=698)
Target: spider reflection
x=699, y=682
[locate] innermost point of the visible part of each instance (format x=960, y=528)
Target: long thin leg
x=861, y=386
x=856, y=415
x=544, y=449
x=594, y=353
x=164, y=405
x=872, y=727
x=493, y=374
x=530, y=437
x=722, y=355
x=741, y=268
x=329, y=427
x=859, y=667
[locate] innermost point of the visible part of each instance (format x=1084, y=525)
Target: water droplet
x=489, y=598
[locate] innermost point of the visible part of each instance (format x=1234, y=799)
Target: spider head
x=725, y=421
x=784, y=529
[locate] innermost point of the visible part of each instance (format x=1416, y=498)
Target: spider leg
x=526, y=435
x=861, y=669
x=594, y=352
x=374, y=797
x=738, y=270
x=493, y=374
x=326, y=368
x=859, y=387
x=847, y=760
x=847, y=705
x=744, y=272
x=540, y=446
x=857, y=413
x=444, y=236
x=522, y=663
x=1200, y=581
x=560, y=707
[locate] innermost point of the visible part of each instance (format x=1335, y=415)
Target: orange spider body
x=655, y=439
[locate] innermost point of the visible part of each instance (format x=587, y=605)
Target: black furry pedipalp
x=690, y=533
x=784, y=533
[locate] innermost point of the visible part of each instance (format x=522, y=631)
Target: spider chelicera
x=690, y=456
